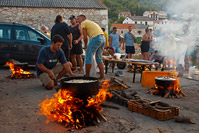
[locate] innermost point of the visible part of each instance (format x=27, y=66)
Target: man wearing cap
x=95, y=45
x=76, y=50
x=62, y=29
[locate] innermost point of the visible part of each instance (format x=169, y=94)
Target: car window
x=33, y=36
x=26, y=34
x=21, y=34
x=5, y=32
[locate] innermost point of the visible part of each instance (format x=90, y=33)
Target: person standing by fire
x=129, y=42
x=46, y=65
x=76, y=50
x=95, y=45
x=145, y=45
x=62, y=29
x=115, y=40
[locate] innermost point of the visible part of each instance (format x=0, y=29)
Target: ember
x=18, y=72
x=167, y=87
x=74, y=112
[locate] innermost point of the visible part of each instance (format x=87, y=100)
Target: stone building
x=156, y=15
x=139, y=20
x=36, y=13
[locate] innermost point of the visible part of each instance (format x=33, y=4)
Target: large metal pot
x=81, y=90
x=165, y=81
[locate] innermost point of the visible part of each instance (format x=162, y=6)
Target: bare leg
x=101, y=68
x=79, y=57
x=73, y=57
x=88, y=68
x=50, y=85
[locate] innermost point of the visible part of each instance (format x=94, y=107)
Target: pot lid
x=164, y=78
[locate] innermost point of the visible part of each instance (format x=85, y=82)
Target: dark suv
x=20, y=42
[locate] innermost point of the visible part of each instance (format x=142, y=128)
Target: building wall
x=36, y=17
x=130, y=21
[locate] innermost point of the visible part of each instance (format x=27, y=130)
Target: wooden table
x=135, y=64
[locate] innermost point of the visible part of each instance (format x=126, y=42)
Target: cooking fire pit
x=73, y=105
x=167, y=87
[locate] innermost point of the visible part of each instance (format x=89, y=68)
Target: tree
x=120, y=20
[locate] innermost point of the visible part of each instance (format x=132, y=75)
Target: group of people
x=115, y=41
x=66, y=44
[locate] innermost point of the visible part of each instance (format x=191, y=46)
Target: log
x=102, y=116
x=113, y=78
x=184, y=119
x=120, y=83
x=154, y=102
x=167, y=94
x=183, y=94
x=126, y=95
x=110, y=106
x=134, y=93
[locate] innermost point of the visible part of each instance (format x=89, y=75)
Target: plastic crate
x=148, y=77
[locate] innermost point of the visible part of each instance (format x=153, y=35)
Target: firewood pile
x=155, y=109
x=117, y=84
x=166, y=93
x=122, y=98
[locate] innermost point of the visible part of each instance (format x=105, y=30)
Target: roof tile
x=54, y=3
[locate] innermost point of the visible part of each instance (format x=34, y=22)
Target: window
x=26, y=34
x=33, y=36
x=21, y=34
x=145, y=23
x=135, y=22
x=5, y=32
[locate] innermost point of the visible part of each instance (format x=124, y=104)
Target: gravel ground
x=19, y=109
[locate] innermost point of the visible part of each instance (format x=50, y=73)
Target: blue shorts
x=130, y=50
x=95, y=45
x=117, y=49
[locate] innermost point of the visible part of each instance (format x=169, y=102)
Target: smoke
x=180, y=35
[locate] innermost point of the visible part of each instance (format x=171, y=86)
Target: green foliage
x=136, y=7
x=120, y=20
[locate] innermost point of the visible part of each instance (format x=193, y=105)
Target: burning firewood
x=18, y=72
x=167, y=87
x=73, y=111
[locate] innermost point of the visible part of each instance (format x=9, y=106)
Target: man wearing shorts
x=76, y=51
x=95, y=45
x=114, y=40
x=46, y=65
x=129, y=41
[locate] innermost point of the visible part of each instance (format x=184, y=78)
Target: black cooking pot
x=165, y=81
x=81, y=90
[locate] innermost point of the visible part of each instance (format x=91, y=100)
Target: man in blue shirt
x=114, y=40
x=47, y=66
x=129, y=41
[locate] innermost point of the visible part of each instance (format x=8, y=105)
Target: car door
x=27, y=44
x=6, y=43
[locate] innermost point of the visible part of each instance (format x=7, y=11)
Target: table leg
x=106, y=66
x=113, y=66
x=134, y=72
x=142, y=69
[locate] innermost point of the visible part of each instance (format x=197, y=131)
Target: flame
x=16, y=70
x=71, y=111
